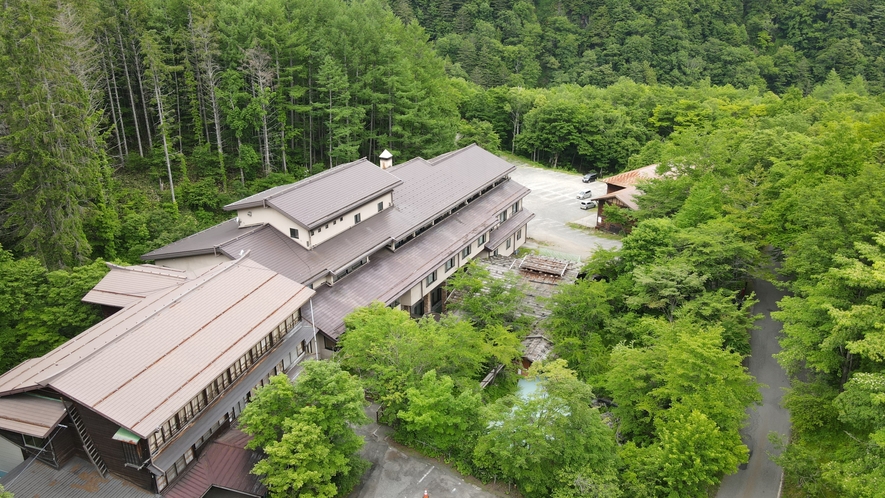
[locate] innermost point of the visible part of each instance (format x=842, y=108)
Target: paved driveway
x=399, y=472
x=761, y=477
x=553, y=200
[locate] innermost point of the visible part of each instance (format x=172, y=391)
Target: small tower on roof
x=385, y=159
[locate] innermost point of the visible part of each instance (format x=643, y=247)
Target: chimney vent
x=386, y=159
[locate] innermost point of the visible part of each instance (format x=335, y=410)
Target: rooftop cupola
x=385, y=159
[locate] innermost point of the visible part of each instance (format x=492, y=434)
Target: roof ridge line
x=449, y=154
x=190, y=236
x=135, y=268
x=219, y=355
x=230, y=264
x=322, y=174
x=253, y=229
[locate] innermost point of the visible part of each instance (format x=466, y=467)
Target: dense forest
x=127, y=125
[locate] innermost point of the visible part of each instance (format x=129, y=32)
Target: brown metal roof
x=124, y=285
x=626, y=195
x=225, y=464
x=204, y=242
x=631, y=177
x=389, y=274
x=509, y=227
x=141, y=365
x=326, y=195
x=30, y=414
x=433, y=187
x=76, y=479
x=428, y=189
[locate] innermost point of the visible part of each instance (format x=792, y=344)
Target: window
x=357, y=218
x=341, y=218
x=329, y=344
x=508, y=242
x=431, y=278
x=327, y=226
x=161, y=482
x=311, y=232
x=380, y=206
x=132, y=453
x=436, y=296
x=33, y=442
x=481, y=240
x=465, y=252
x=519, y=234
x=502, y=217
x=320, y=229
x=515, y=207
x=450, y=264
x=293, y=232
x=418, y=308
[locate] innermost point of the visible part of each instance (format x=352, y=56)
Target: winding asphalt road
x=761, y=478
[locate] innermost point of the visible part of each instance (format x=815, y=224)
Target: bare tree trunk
x=282, y=128
x=242, y=176
x=310, y=118
x=208, y=76
x=121, y=142
x=163, y=134
x=178, y=113
x=131, y=98
x=147, y=119
x=330, y=128
x=257, y=65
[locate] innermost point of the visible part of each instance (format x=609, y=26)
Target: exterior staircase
x=88, y=445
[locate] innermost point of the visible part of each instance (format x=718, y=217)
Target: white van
x=584, y=194
x=588, y=204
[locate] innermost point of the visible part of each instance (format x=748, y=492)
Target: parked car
x=588, y=204
x=590, y=177
x=584, y=194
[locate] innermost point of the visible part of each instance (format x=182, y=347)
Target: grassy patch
x=515, y=159
x=594, y=232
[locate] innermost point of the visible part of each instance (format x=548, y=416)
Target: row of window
x=513, y=210
x=451, y=262
x=176, y=469
x=350, y=269
x=196, y=405
x=448, y=213
x=295, y=234
x=182, y=463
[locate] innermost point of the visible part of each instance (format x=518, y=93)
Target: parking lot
x=553, y=200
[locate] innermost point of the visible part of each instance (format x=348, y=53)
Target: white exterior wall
x=259, y=215
x=193, y=263
x=411, y=296
x=345, y=221
x=515, y=243
x=416, y=293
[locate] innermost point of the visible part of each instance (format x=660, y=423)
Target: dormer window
x=293, y=232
